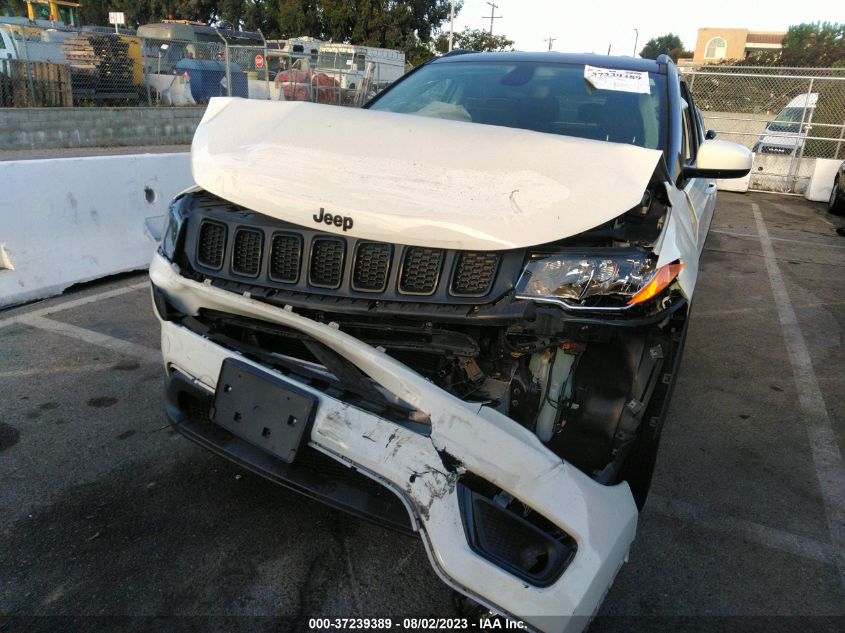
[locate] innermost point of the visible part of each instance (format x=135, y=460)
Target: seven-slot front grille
x=285, y=257
x=474, y=273
x=246, y=256
x=310, y=261
x=372, y=266
x=326, y=268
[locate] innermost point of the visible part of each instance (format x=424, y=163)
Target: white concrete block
x=739, y=185
x=69, y=220
x=821, y=180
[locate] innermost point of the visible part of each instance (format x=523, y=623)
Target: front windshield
x=544, y=97
x=788, y=120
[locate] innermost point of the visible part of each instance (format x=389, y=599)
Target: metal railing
x=788, y=116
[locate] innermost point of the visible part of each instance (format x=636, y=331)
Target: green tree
x=814, y=44
x=405, y=25
x=473, y=40
x=139, y=12
x=13, y=8
x=297, y=17
x=669, y=44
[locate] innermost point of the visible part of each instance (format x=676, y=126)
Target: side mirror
x=720, y=159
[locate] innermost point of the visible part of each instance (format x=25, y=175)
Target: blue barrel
x=208, y=78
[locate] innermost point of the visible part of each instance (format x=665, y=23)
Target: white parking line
x=827, y=457
x=755, y=532
x=96, y=338
x=813, y=243
x=73, y=303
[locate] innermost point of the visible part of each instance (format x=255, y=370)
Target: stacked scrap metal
x=100, y=68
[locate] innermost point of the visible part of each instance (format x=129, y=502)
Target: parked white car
x=460, y=311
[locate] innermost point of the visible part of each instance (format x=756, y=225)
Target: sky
x=591, y=26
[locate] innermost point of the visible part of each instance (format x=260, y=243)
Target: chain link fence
x=789, y=117
x=91, y=67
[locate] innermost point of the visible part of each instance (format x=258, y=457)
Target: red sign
x=259, y=62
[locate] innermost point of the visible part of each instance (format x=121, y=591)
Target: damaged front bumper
x=424, y=471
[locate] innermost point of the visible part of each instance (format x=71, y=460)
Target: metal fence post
x=226, y=62
x=144, y=72
x=29, y=72
x=228, y=68
x=266, y=64
x=798, y=152
x=841, y=138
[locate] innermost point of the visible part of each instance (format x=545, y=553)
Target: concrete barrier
x=69, y=220
x=738, y=185
x=821, y=182
x=773, y=172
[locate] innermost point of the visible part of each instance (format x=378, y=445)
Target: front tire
x=836, y=204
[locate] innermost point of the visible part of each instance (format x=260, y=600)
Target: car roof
x=604, y=61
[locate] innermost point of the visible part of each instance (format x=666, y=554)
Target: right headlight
x=580, y=279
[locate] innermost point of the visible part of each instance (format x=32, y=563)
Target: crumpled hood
x=411, y=179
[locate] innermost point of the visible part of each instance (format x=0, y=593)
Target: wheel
x=836, y=204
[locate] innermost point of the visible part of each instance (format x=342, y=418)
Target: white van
x=348, y=64
x=787, y=133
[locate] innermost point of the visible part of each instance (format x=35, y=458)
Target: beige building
x=715, y=44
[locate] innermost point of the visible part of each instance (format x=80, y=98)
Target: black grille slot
x=420, y=270
x=285, y=257
x=246, y=256
x=326, y=267
x=372, y=263
x=474, y=273
x=211, y=245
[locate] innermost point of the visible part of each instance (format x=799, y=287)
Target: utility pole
x=636, y=37
x=550, y=40
x=492, y=16
x=451, y=24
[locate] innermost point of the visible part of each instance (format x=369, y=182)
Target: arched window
x=716, y=48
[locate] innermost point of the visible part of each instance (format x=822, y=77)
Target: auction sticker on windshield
x=619, y=80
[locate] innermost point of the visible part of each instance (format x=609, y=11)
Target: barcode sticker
x=619, y=80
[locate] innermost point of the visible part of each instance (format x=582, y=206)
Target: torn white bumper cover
x=601, y=519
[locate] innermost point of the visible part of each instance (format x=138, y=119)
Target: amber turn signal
x=665, y=276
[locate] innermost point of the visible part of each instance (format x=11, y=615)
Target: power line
x=492, y=16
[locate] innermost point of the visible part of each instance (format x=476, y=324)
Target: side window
x=688, y=141
x=692, y=133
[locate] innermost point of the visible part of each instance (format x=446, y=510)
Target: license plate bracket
x=262, y=409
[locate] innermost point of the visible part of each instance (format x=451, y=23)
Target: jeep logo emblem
x=338, y=220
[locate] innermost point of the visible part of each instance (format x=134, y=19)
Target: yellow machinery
x=53, y=10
